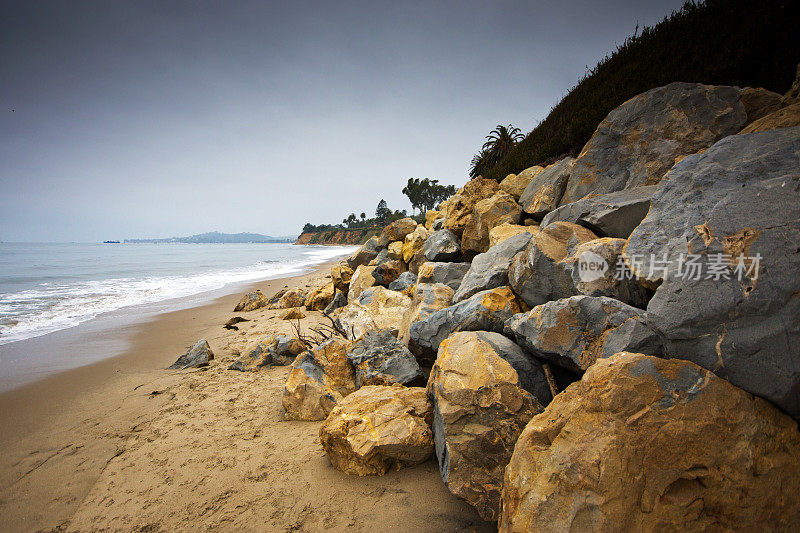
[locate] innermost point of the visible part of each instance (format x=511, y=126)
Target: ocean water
x=45, y=288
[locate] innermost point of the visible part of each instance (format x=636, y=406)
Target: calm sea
x=46, y=288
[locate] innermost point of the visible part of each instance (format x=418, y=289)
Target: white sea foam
x=53, y=306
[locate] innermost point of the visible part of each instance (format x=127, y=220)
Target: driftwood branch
x=548, y=374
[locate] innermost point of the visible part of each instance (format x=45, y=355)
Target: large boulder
x=293, y=313
x=543, y=271
x=431, y=216
x=459, y=207
x=198, y=356
x=514, y=184
x=251, y=301
x=388, y=271
x=368, y=251
x=501, y=208
x=285, y=349
x=598, y=269
x=450, y=274
x=397, y=231
x=722, y=239
x=638, y=142
x=255, y=357
x=786, y=117
x=415, y=242
x=479, y=411
x=362, y=280
x=544, y=192
x=484, y=311
x=490, y=269
x=505, y=231
x=292, y=298
x=395, y=250
x=759, y=102
x=403, y=282
x=341, y=274
x=442, y=245
x=427, y=299
x=318, y=380
x=648, y=444
x=377, y=429
x=375, y=309
x=319, y=298
x=380, y=359
x=615, y=214
x=573, y=332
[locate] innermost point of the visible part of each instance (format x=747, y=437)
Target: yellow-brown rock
x=505, y=231
x=341, y=274
x=414, y=242
x=292, y=298
x=501, y=208
x=377, y=429
x=479, y=411
x=377, y=308
x=430, y=216
x=649, y=444
x=318, y=380
x=362, y=279
x=786, y=117
x=514, y=184
x=293, y=313
x=320, y=297
x=251, y=301
x=396, y=231
x=396, y=250
x=462, y=203
x=759, y=102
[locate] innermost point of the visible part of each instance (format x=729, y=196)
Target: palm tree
x=498, y=144
x=480, y=164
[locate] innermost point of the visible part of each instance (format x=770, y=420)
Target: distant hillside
x=719, y=42
x=217, y=237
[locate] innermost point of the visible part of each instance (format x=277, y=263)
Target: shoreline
x=38, y=419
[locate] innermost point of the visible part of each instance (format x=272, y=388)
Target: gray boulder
x=738, y=319
x=544, y=192
x=614, y=214
x=485, y=311
x=403, y=282
x=543, y=271
x=442, y=245
x=450, y=274
x=364, y=255
x=339, y=300
x=285, y=349
x=388, y=271
x=573, y=332
x=639, y=141
x=490, y=269
x=198, y=355
x=379, y=359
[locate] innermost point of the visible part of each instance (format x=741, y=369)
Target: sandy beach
x=124, y=444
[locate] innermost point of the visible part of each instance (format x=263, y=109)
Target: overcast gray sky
x=155, y=119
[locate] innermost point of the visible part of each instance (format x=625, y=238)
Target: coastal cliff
x=337, y=236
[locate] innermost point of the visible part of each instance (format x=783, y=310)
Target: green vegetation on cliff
x=718, y=42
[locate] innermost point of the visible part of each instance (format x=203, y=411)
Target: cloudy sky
x=124, y=119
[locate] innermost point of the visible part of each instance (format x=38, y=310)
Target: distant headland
x=217, y=237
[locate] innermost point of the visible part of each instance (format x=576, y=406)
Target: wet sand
x=124, y=444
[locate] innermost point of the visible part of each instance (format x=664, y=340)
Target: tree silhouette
x=499, y=143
